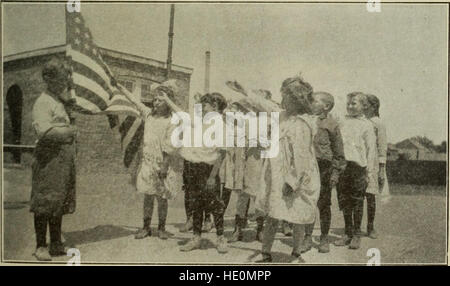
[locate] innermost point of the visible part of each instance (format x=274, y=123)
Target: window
x=127, y=84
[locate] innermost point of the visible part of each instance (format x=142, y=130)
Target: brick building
x=98, y=145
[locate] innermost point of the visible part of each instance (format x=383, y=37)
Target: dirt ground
x=411, y=227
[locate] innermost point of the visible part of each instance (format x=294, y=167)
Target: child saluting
x=160, y=173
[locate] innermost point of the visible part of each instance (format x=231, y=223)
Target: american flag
x=92, y=89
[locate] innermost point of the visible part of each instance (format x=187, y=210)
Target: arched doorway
x=13, y=120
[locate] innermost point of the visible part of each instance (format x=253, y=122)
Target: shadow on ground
x=98, y=233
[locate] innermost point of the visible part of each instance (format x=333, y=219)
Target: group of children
x=316, y=154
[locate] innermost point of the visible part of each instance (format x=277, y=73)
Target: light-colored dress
x=380, y=132
x=295, y=166
x=231, y=171
x=157, y=133
x=252, y=171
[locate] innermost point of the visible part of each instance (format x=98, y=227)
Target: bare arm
x=143, y=110
x=338, y=161
x=46, y=129
x=175, y=108
x=211, y=182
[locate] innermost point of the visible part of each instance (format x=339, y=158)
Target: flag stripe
x=130, y=134
x=91, y=85
x=85, y=93
x=122, y=102
x=87, y=61
x=87, y=106
x=134, y=145
x=124, y=110
x=88, y=72
x=126, y=125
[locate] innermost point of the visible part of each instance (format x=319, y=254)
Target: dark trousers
x=371, y=208
x=204, y=201
x=351, y=191
x=324, y=202
x=189, y=200
x=40, y=227
x=148, y=211
x=226, y=195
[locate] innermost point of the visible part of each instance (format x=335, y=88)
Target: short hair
x=300, y=90
x=326, y=97
x=215, y=99
x=56, y=69
x=360, y=95
x=374, y=102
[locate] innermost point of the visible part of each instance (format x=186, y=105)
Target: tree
x=426, y=142
x=442, y=148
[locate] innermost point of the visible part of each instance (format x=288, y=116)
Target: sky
x=399, y=54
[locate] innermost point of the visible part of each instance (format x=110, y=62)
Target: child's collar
x=356, y=117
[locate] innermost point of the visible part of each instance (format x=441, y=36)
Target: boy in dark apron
x=53, y=168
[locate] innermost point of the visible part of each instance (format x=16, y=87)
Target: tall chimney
x=207, y=66
x=169, y=50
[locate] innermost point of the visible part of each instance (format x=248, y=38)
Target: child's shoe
x=343, y=241
x=244, y=222
x=259, y=228
x=42, y=254
x=297, y=258
x=237, y=234
x=259, y=235
x=287, y=231
x=306, y=244
x=143, y=233
x=193, y=243
x=266, y=258
x=58, y=249
x=187, y=226
x=222, y=246
x=355, y=243
x=324, y=246
x=207, y=225
x=163, y=234
x=372, y=234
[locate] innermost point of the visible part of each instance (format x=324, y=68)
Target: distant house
x=412, y=149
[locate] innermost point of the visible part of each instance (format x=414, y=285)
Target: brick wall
x=99, y=148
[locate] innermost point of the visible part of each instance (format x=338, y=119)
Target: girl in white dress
x=290, y=181
x=160, y=172
x=372, y=113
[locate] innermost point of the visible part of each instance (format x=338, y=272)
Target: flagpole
x=169, y=52
x=207, y=67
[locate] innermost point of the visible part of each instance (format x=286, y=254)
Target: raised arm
x=175, y=108
x=143, y=110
